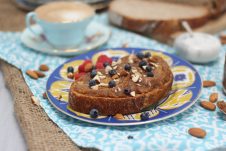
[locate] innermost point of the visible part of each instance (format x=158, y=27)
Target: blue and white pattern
x=170, y=134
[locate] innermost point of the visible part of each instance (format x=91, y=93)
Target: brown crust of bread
x=160, y=30
x=83, y=100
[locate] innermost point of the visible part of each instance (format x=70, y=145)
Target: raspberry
x=103, y=59
x=81, y=68
x=99, y=65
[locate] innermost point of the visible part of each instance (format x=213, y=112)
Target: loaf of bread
x=136, y=83
x=156, y=19
x=216, y=7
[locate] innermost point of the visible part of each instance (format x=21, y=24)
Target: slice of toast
x=156, y=19
x=135, y=89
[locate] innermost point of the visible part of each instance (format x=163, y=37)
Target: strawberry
x=81, y=68
x=78, y=75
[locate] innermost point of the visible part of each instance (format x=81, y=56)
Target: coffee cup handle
x=29, y=17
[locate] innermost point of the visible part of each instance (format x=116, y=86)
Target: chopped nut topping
x=133, y=93
x=99, y=73
x=94, y=87
x=130, y=58
x=97, y=78
x=135, y=77
x=119, y=89
x=114, y=63
x=119, y=61
x=103, y=84
x=138, y=84
x=115, y=67
x=144, y=67
x=102, y=77
x=107, y=69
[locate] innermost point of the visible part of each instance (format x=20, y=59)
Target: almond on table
x=208, y=83
x=43, y=67
x=40, y=74
x=208, y=105
x=213, y=97
x=197, y=132
x=32, y=74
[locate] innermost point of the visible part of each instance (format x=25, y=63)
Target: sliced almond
x=208, y=83
x=115, y=67
x=97, y=78
x=35, y=101
x=119, y=116
x=119, y=89
x=107, y=69
x=32, y=74
x=133, y=93
x=208, y=105
x=135, y=78
x=103, y=84
x=197, y=132
x=99, y=73
x=43, y=67
x=39, y=73
x=213, y=97
x=114, y=63
x=94, y=87
x=59, y=97
x=102, y=77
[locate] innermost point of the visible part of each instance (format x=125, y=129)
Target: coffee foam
x=64, y=12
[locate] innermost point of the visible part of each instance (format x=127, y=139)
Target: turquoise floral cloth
x=170, y=134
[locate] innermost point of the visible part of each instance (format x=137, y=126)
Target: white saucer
x=96, y=35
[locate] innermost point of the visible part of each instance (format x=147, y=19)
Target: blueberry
x=93, y=73
x=105, y=64
x=147, y=55
x=127, y=91
x=94, y=113
x=112, y=72
x=127, y=67
x=140, y=55
x=144, y=116
x=150, y=74
x=92, y=83
x=148, y=69
x=130, y=137
x=70, y=69
x=142, y=63
x=111, y=84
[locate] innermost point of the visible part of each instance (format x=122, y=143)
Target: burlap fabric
x=40, y=133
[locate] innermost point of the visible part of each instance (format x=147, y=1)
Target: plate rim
x=131, y=123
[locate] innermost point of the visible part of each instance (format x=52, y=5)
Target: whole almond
x=32, y=74
x=197, y=132
x=213, y=97
x=208, y=105
x=119, y=116
x=40, y=74
x=43, y=67
x=208, y=83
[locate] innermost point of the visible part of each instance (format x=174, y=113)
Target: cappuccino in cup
x=63, y=23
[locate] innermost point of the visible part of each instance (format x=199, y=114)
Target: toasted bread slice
x=134, y=90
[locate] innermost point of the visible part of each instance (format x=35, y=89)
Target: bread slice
x=156, y=19
x=144, y=91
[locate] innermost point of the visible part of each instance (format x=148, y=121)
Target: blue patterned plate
x=185, y=91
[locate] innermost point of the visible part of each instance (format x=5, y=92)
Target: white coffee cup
x=63, y=23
